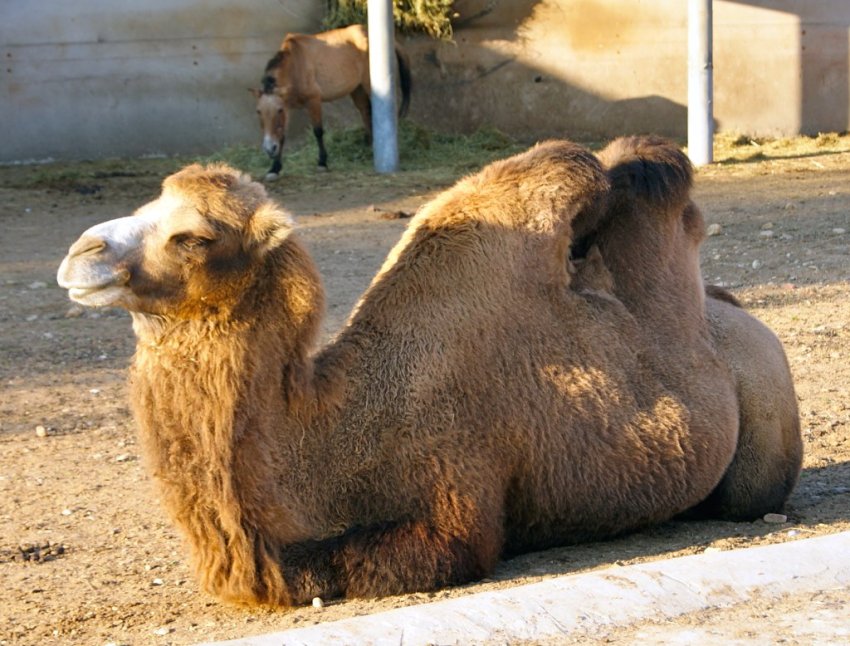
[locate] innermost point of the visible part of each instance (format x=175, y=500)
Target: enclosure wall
x=99, y=78
x=600, y=68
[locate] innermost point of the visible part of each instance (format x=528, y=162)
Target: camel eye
x=190, y=242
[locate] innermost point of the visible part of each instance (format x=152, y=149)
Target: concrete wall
x=99, y=78
x=599, y=68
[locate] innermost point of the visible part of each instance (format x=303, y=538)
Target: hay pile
x=432, y=17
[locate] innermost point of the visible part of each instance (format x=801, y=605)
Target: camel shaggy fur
x=473, y=406
x=644, y=250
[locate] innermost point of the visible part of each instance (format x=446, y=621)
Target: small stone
x=713, y=229
x=767, y=226
x=766, y=233
x=124, y=457
x=31, y=318
x=67, y=512
x=839, y=230
x=792, y=532
x=40, y=431
x=318, y=603
x=37, y=285
x=74, y=312
x=711, y=550
x=157, y=582
x=394, y=215
x=756, y=264
x=162, y=631
x=775, y=519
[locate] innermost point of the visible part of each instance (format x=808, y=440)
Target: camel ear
x=268, y=228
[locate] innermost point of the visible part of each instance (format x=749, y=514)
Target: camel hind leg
x=769, y=453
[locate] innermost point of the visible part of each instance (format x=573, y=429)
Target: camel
x=473, y=407
x=644, y=250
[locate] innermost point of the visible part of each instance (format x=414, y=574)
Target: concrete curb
x=589, y=604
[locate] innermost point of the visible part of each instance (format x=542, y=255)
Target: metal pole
x=700, y=82
x=381, y=71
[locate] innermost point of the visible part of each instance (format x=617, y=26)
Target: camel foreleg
x=392, y=559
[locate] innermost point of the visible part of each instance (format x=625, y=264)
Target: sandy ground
x=86, y=553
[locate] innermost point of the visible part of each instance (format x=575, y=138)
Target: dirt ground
x=86, y=553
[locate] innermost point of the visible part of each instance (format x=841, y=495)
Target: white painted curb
x=587, y=604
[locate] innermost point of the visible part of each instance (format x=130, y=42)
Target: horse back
x=331, y=64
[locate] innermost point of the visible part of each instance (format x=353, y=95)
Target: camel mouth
x=78, y=293
x=97, y=296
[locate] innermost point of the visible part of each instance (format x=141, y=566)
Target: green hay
x=419, y=149
x=432, y=17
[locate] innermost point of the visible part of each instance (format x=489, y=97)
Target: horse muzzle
x=271, y=147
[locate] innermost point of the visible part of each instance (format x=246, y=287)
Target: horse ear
x=268, y=228
x=257, y=93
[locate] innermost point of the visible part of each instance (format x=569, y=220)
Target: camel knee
x=758, y=481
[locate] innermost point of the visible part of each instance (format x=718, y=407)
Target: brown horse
x=308, y=70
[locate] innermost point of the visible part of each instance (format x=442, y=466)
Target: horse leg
x=274, y=172
x=314, y=110
x=363, y=103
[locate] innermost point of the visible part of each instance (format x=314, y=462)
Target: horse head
x=272, y=113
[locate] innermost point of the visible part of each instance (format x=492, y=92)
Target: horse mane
x=269, y=80
x=275, y=61
x=269, y=84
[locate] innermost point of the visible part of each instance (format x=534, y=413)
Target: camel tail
x=648, y=168
x=405, y=80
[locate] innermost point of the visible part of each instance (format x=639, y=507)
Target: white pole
x=381, y=71
x=700, y=82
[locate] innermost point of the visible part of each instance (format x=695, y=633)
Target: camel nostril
x=87, y=246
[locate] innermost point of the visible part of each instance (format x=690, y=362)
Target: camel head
x=193, y=252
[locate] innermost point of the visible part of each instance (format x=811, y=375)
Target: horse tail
x=405, y=80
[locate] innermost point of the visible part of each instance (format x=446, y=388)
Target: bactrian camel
x=474, y=406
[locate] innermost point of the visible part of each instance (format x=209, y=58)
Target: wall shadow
x=467, y=84
x=472, y=83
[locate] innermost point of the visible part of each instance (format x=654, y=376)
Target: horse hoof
x=271, y=177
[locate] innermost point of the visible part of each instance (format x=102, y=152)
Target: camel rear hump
x=648, y=169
